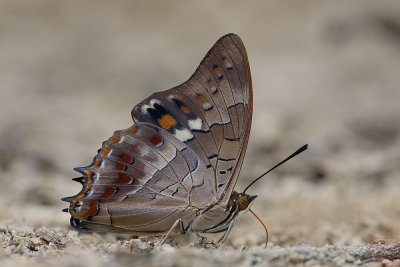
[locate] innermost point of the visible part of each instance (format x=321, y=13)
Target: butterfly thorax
x=223, y=215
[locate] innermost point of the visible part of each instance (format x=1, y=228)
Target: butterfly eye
x=243, y=202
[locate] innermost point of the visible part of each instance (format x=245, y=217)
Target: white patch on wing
x=228, y=65
x=206, y=105
x=144, y=109
x=195, y=124
x=78, y=207
x=152, y=102
x=183, y=135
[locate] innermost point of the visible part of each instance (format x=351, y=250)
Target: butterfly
x=178, y=165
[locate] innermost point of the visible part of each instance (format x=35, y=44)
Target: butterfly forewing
x=211, y=112
x=183, y=153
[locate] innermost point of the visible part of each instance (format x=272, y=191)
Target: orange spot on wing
x=126, y=158
x=123, y=179
x=115, y=139
x=225, y=61
x=105, y=151
x=210, y=83
x=202, y=98
x=120, y=166
x=97, y=163
x=93, y=208
x=108, y=192
x=132, y=130
x=82, y=195
x=135, y=147
x=88, y=175
x=217, y=70
x=156, y=140
x=73, y=206
x=185, y=109
x=166, y=121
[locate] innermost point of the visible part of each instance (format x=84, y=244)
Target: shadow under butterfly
x=178, y=165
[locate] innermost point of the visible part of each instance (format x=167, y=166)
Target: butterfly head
x=244, y=201
x=241, y=201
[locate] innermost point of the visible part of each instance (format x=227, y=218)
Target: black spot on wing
x=162, y=190
x=178, y=103
x=232, y=139
x=111, y=222
x=184, y=178
x=201, y=131
x=176, y=191
x=209, y=108
x=222, y=159
x=212, y=156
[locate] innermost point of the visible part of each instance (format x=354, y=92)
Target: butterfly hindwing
x=136, y=170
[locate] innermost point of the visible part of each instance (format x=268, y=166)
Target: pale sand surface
x=326, y=73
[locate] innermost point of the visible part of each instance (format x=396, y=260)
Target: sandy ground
x=326, y=73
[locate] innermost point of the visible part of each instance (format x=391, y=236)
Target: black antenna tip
x=298, y=151
x=301, y=149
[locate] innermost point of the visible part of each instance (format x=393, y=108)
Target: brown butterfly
x=178, y=165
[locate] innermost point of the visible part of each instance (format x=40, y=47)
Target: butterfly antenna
x=298, y=151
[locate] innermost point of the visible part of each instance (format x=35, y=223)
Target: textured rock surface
x=24, y=245
x=324, y=73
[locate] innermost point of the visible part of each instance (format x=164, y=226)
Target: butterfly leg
x=226, y=233
x=176, y=223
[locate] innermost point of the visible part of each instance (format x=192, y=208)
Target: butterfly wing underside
x=211, y=112
x=185, y=149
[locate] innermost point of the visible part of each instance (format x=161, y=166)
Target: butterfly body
x=179, y=163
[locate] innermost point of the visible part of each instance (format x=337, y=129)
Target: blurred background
x=326, y=73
